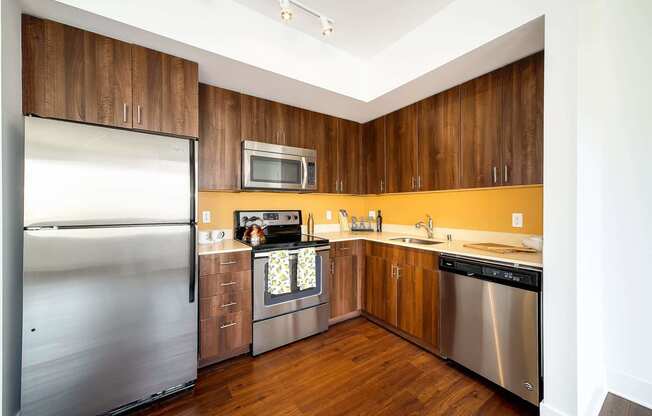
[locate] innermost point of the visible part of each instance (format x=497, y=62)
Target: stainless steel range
x=279, y=319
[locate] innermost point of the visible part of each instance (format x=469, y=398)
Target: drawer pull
x=228, y=263
x=228, y=284
x=228, y=325
x=226, y=305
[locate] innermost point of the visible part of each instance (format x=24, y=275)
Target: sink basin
x=415, y=241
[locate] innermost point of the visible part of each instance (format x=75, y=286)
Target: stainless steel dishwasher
x=490, y=322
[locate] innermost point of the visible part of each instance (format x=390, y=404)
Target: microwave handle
x=304, y=180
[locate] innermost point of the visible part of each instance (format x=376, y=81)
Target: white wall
x=591, y=253
x=626, y=199
x=11, y=128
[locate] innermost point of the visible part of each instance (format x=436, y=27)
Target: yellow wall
x=222, y=205
x=478, y=209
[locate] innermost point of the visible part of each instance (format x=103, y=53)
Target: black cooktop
x=287, y=242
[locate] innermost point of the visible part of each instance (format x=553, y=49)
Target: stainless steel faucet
x=428, y=226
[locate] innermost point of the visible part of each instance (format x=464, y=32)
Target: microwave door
x=266, y=170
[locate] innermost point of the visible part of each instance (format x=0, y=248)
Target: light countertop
x=449, y=247
x=224, y=246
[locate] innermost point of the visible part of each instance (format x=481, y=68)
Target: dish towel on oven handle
x=278, y=273
x=306, y=270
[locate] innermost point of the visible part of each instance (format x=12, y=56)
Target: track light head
x=286, y=11
x=326, y=26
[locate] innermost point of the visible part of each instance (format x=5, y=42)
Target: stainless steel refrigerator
x=109, y=311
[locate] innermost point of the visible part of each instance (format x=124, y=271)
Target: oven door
x=267, y=305
x=269, y=170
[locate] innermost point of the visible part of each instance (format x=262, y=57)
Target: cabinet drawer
x=224, y=304
x=218, y=284
x=220, y=335
x=224, y=263
x=343, y=248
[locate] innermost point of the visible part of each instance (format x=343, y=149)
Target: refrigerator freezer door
x=107, y=318
x=77, y=174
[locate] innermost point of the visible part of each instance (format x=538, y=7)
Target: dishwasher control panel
x=516, y=276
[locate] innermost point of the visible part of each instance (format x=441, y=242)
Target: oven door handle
x=266, y=254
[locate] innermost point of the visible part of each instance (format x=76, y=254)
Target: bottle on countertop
x=379, y=222
x=311, y=224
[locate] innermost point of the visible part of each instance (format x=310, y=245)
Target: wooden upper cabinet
x=219, y=144
x=72, y=74
x=439, y=141
x=480, y=131
x=401, y=147
x=165, y=93
x=254, y=113
x=522, y=122
x=323, y=130
x=349, y=157
x=373, y=149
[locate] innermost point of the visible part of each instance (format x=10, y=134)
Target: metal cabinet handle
x=124, y=112
x=398, y=272
x=412, y=181
x=394, y=269
x=228, y=284
x=495, y=175
x=138, y=114
x=228, y=263
x=382, y=186
x=419, y=182
x=226, y=305
x=228, y=325
x=506, y=176
x=341, y=186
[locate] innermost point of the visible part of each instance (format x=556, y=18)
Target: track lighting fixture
x=286, y=11
x=327, y=25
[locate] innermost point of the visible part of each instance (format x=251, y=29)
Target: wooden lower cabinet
x=401, y=289
x=345, y=274
x=225, y=321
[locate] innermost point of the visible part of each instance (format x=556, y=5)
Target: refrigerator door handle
x=194, y=269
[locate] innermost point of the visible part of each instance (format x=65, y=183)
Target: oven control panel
x=245, y=218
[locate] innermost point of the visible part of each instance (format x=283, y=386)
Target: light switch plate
x=517, y=220
x=206, y=217
x=329, y=215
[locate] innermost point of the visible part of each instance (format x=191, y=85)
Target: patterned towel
x=306, y=273
x=278, y=273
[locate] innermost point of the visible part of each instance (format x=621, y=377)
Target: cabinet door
x=254, y=113
x=380, y=298
x=324, y=129
x=480, y=114
x=72, y=74
x=439, y=141
x=279, y=122
x=401, y=137
x=418, y=303
x=522, y=122
x=219, y=145
x=298, y=132
x=221, y=335
x=343, y=289
x=373, y=149
x=165, y=93
x=349, y=155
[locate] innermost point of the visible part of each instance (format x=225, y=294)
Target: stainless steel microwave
x=272, y=166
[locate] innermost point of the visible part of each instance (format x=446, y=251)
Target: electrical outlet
x=372, y=213
x=517, y=220
x=206, y=217
x=329, y=215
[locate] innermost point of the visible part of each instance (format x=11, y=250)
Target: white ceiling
x=363, y=28
x=245, y=50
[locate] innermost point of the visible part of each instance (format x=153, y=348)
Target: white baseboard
x=631, y=388
x=597, y=400
x=547, y=410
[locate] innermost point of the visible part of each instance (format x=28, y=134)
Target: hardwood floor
x=356, y=368
x=617, y=406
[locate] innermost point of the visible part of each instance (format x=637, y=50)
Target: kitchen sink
x=415, y=241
